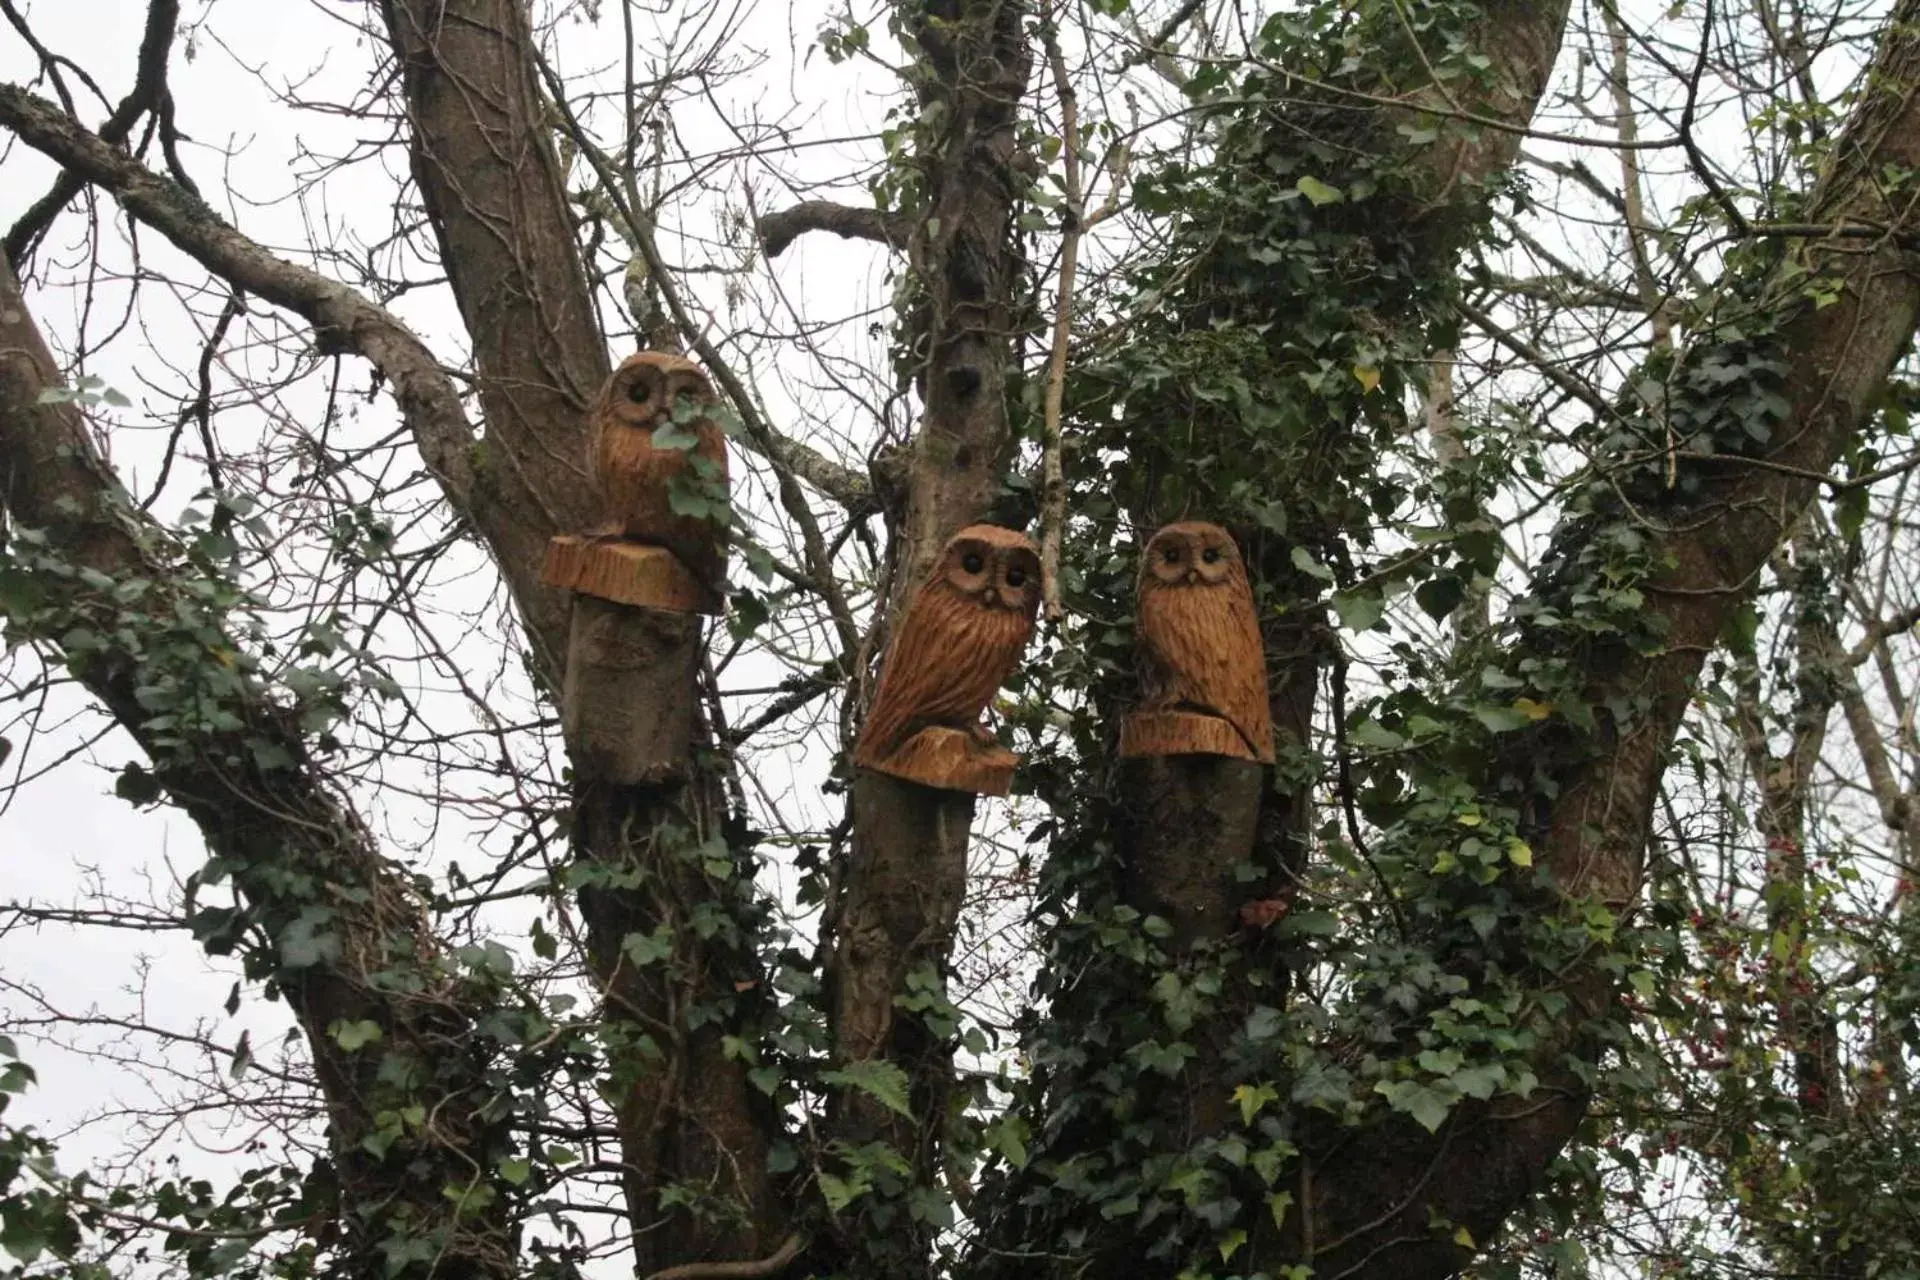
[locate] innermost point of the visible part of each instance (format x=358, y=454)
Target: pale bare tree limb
x=1053, y=479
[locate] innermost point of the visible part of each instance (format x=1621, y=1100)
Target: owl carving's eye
x=1211, y=555
x=638, y=391
x=972, y=562
x=1172, y=554
x=1016, y=576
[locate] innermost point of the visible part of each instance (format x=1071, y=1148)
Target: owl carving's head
x=642, y=391
x=997, y=567
x=1191, y=553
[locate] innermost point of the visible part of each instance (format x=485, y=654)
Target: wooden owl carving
x=636, y=476
x=963, y=632
x=1198, y=638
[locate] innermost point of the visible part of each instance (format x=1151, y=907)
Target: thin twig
x=1344, y=760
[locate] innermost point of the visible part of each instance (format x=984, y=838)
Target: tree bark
x=484, y=163
x=689, y=1121
x=900, y=894
x=322, y=916
x=781, y=228
x=966, y=253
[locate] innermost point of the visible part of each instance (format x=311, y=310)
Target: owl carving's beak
x=993, y=596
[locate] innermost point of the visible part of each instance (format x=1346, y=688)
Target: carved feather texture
x=963, y=632
x=636, y=476
x=1198, y=637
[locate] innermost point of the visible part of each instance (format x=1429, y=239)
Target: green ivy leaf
x=1303, y=561
x=1481, y=1081
x=302, y=942
x=1251, y=1098
x=1439, y=597
x=1501, y=719
x=671, y=435
x=1359, y=611
x=1743, y=625
x=1371, y=733
x=134, y=785
x=1317, y=191
x=355, y=1036
x=838, y=1192
x=1008, y=1136
x=242, y=1056
x=649, y=948
x=1427, y=1104
x=879, y=1079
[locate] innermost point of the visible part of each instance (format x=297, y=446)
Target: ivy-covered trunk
x=317, y=915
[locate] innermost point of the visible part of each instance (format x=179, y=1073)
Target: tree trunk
x=321, y=916
x=901, y=891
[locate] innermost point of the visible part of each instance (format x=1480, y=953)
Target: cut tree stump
x=1181, y=733
x=952, y=760
x=627, y=706
x=626, y=573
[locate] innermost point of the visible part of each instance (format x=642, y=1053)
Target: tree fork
x=483, y=159
x=485, y=165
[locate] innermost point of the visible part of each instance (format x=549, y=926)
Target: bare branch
x=1053, y=480
x=339, y=315
x=782, y=227
x=149, y=92
x=1537, y=359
